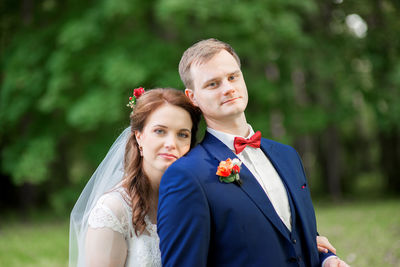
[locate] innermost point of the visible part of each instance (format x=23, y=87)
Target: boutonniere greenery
x=228, y=171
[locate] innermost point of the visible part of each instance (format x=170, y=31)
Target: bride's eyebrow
x=159, y=125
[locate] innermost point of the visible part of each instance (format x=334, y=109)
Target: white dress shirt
x=262, y=169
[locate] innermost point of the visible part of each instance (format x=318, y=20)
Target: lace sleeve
x=110, y=212
x=107, y=232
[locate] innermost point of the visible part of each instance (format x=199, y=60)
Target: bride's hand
x=323, y=245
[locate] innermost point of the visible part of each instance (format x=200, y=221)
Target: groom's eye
x=212, y=84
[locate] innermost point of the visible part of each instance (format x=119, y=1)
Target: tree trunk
x=390, y=159
x=331, y=165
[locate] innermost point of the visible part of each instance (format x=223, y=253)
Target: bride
x=113, y=222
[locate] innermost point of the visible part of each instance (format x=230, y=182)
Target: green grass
x=37, y=243
x=364, y=234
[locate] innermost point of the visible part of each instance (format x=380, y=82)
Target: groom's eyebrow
x=235, y=73
x=217, y=79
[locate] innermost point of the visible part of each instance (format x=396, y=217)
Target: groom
x=265, y=219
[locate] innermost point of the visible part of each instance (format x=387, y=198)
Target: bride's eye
x=159, y=131
x=183, y=135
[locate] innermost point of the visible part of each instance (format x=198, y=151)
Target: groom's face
x=219, y=88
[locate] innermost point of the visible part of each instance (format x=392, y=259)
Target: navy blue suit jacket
x=204, y=222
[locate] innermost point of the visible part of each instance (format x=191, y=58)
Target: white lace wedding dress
x=111, y=221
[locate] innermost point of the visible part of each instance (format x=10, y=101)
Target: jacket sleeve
x=322, y=256
x=183, y=219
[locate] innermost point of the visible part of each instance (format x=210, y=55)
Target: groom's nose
x=227, y=87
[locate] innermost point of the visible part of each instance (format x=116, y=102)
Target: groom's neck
x=234, y=126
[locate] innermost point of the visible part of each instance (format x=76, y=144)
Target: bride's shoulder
x=116, y=200
x=112, y=211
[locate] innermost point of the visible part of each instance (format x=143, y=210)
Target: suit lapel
x=250, y=185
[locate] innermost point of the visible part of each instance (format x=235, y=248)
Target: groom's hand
x=335, y=262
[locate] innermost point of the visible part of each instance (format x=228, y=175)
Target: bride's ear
x=190, y=94
x=138, y=136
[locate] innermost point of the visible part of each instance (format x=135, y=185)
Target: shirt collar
x=226, y=138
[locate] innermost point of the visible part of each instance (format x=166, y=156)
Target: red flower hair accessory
x=136, y=94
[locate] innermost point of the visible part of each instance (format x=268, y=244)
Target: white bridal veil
x=107, y=175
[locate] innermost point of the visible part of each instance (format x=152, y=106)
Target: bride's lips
x=168, y=156
x=230, y=100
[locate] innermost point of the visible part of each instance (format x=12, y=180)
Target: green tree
x=314, y=82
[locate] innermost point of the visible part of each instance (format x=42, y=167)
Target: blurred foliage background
x=323, y=76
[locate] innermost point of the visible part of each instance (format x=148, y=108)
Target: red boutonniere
x=228, y=171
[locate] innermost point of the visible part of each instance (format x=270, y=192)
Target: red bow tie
x=240, y=143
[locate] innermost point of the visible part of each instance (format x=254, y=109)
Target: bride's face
x=165, y=138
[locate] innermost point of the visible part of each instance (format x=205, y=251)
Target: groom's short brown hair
x=200, y=53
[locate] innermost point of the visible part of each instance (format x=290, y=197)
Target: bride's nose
x=170, y=142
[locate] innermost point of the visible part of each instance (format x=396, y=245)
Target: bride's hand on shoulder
x=323, y=245
x=335, y=262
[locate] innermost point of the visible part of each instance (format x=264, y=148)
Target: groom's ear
x=190, y=94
